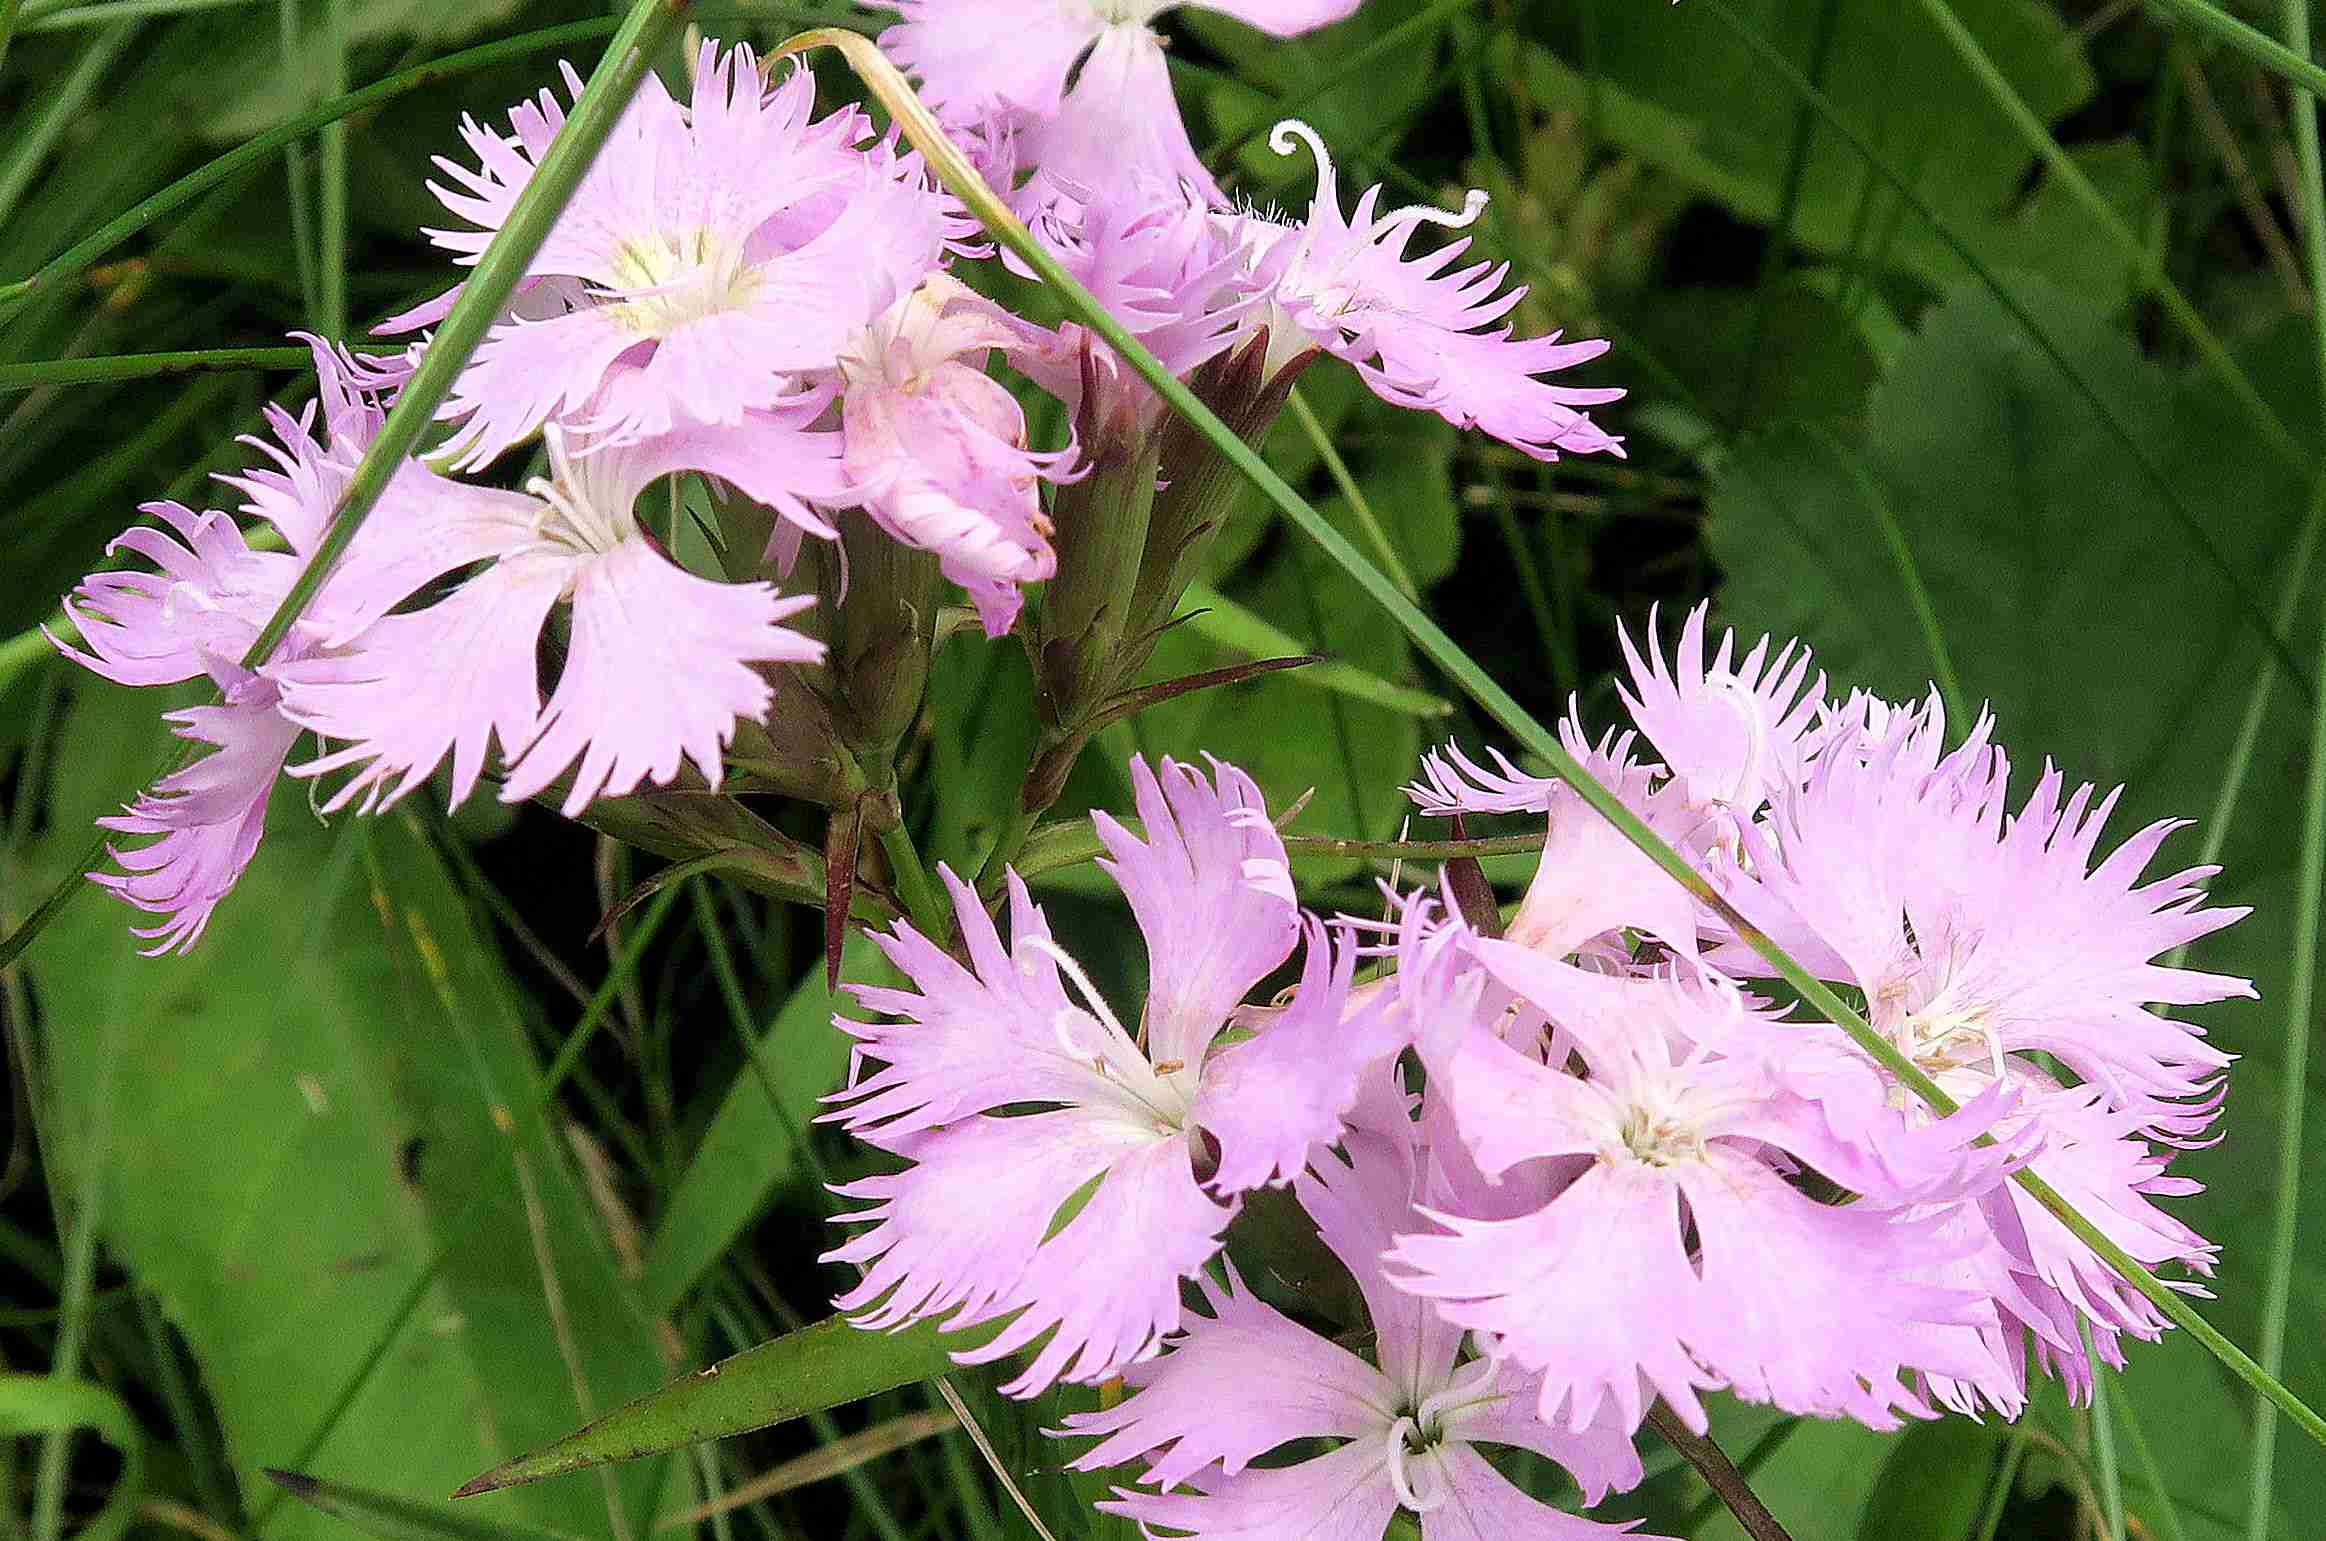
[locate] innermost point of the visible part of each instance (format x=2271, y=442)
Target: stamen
x=1073, y=970
x=1401, y=1475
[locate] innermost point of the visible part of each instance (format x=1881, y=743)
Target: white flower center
x=1162, y=1093
x=582, y=506
x=667, y=280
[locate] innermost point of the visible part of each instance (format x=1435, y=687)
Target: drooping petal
x=210, y=817
x=1234, y=1385
x=950, y=44
x=658, y=673
x=1332, y=1497
x=955, y=1231
x=448, y=679
x=1212, y=894
x=1278, y=1095
x=1109, y=1281
x=1478, y=1503
x=1593, y=1291
x=1121, y=122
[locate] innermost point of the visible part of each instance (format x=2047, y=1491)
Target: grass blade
x=946, y=159
x=2310, y=872
x=2252, y=42
x=36, y=138
x=108, y=368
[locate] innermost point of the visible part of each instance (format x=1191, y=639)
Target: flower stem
x=2252, y=42
x=1720, y=1474
x=144, y=366
x=912, y=882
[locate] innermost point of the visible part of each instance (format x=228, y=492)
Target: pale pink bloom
x=717, y=249
x=1245, y=1380
x=1599, y=1290
x=1422, y=332
x=1978, y=935
x=1733, y=732
x=935, y=449
x=1119, y=119
x=964, y=1233
x=201, y=612
x=1591, y=883
x=660, y=663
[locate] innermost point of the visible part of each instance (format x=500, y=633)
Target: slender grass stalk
x=65, y=19
x=108, y=369
x=2137, y=452
x=2168, y=1517
x=2103, y=1423
x=1359, y=504
x=1999, y=1497
x=1950, y=687
x=331, y=177
x=2252, y=42
x=649, y=25
x=298, y=179
x=2138, y=253
x=36, y=138
x=2310, y=874
x=885, y=82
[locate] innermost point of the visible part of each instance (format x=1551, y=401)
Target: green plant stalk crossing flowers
x=144, y=366
x=649, y=25
x=894, y=93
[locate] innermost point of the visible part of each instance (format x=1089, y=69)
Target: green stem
x=648, y=26
x=2255, y=44
x=912, y=881
x=2136, y=451
x=2136, y=251
x=2168, y=1517
x=331, y=215
x=1338, y=469
x=883, y=79
x=2293, y=1070
x=1999, y=1499
x=2111, y=1482
x=144, y=366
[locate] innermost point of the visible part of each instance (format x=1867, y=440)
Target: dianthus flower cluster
x=776, y=302
x=1575, y=1167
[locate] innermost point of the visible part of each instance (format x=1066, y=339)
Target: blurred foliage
x=310, y=1154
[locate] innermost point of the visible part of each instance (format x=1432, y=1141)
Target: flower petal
x=1338, y=1496
x=1212, y=894
x=1233, y=1386
x=658, y=672
x=1481, y=1504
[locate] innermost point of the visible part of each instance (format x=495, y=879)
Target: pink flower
x=1120, y=119
x=935, y=449
x=1599, y=1289
x=1591, y=882
x=717, y=250
x=202, y=610
x=659, y=667
x=1734, y=733
x=1413, y=328
x=966, y=1231
x=1245, y=1380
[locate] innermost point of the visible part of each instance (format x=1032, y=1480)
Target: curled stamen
x=1402, y=1436
x=1292, y=131
x=1073, y=970
x=1753, y=773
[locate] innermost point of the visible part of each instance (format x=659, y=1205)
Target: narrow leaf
x=824, y=1365
x=1131, y=702
x=400, y=1519
x=58, y=1405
